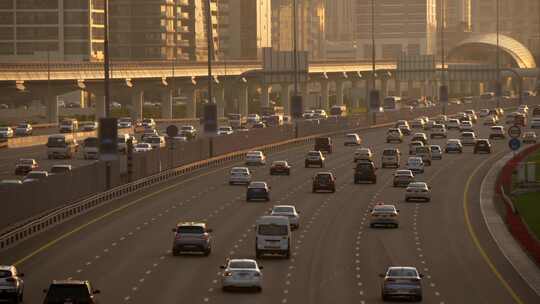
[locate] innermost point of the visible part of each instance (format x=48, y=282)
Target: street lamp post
x=374, y=98
x=443, y=90
x=210, y=108
x=498, y=85
x=106, y=59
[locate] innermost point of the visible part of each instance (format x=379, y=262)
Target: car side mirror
x=381, y=275
x=97, y=291
x=261, y=267
x=421, y=275
x=397, y=210
x=44, y=290
x=173, y=230
x=222, y=266
x=370, y=210
x=209, y=230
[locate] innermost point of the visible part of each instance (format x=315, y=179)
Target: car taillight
x=205, y=236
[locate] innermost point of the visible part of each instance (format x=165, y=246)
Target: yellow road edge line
x=474, y=237
x=103, y=216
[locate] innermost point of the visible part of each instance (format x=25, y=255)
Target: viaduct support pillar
x=325, y=95
x=243, y=92
x=339, y=92
x=191, y=103
x=137, y=100
x=220, y=100
x=100, y=106
x=265, y=95
x=286, y=97
x=166, y=103
x=52, y=108
x=384, y=87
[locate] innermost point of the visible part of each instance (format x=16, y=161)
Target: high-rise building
x=400, y=26
x=458, y=15
x=245, y=27
x=339, y=20
x=61, y=29
x=518, y=19
x=161, y=29
x=311, y=31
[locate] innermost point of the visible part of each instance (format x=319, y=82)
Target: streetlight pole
x=210, y=108
x=106, y=60
x=295, y=48
x=498, y=85
x=443, y=90
x=374, y=98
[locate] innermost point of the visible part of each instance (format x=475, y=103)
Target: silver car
x=401, y=282
x=241, y=273
x=436, y=152
x=384, y=215
x=191, y=237
x=239, y=175
x=11, y=284
x=288, y=211
x=418, y=191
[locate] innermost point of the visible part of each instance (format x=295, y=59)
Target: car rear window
x=389, y=152
x=5, y=274
x=402, y=273
x=273, y=229
x=72, y=291
x=242, y=264
x=190, y=229
x=422, y=150
x=324, y=177
x=313, y=154
x=56, y=142
x=283, y=209
x=384, y=209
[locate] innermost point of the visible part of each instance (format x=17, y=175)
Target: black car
x=258, y=191
x=323, y=144
x=70, y=291
x=365, y=172
x=280, y=167
x=324, y=181
x=482, y=145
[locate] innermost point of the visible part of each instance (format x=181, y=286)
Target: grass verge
x=528, y=206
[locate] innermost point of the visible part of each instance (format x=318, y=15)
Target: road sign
x=514, y=131
x=514, y=144
x=172, y=131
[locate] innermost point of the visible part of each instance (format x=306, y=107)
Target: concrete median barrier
x=31, y=141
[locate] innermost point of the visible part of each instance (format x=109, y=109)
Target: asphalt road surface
x=126, y=251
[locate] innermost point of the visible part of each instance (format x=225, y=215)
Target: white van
x=61, y=146
x=90, y=148
x=273, y=236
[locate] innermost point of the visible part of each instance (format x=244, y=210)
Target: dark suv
x=258, y=191
x=70, y=291
x=324, y=181
x=191, y=237
x=482, y=145
x=365, y=172
x=323, y=144
x=314, y=158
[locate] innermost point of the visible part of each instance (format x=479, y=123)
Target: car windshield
x=324, y=178
x=26, y=161
x=417, y=185
x=384, y=208
x=435, y=148
x=71, y=291
x=56, y=142
x=242, y=265
x=273, y=229
x=389, y=152
x=280, y=163
x=4, y=129
x=404, y=173
x=23, y=126
x=283, y=209
x=186, y=128
x=35, y=175
x=313, y=154
x=402, y=272
x=224, y=129
x=143, y=146
x=153, y=140
x=257, y=185
x=190, y=229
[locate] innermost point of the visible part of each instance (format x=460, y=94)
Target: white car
x=309, y=114
x=142, y=147
x=228, y=130
x=288, y=211
x=529, y=137
x=6, y=132
x=466, y=126
x=352, y=139
x=253, y=118
x=436, y=152
x=155, y=141
x=497, y=132
x=124, y=123
x=255, y=158
x=363, y=154
x=11, y=283
x=535, y=123
x=413, y=145
x=239, y=175
x=319, y=113
x=418, y=190
x=490, y=121
x=241, y=273
x=88, y=126
x=149, y=123
x=394, y=134
x=415, y=164
x=453, y=124
x=468, y=138
x=438, y=130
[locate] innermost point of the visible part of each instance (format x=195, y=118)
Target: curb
x=507, y=244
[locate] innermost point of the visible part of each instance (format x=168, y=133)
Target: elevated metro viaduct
x=132, y=80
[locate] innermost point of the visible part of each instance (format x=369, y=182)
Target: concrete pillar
x=166, y=103
x=397, y=87
x=220, y=100
x=243, y=99
x=83, y=98
x=286, y=97
x=356, y=93
x=339, y=92
x=304, y=91
x=52, y=108
x=100, y=106
x=384, y=87
x=191, y=102
x=325, y=95
x=265, y=95
x=137, y=100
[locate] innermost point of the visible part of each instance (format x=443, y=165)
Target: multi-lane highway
x=124, y=249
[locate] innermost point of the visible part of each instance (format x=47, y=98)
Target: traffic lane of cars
x=9, y=157
x=88, y=242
